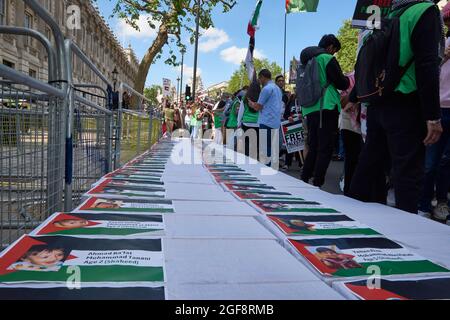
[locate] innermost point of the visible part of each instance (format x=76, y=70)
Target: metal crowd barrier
x=58, y=138
x=139, y=125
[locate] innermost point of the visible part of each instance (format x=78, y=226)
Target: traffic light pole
x=194, y=82
x=182, y=73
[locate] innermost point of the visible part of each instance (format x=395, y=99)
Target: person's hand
x=350, y=107
x=434, y=133
x=291, y=119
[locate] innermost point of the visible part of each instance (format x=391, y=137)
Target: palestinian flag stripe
x=393, y=268
x=414, y=289
x=102, y=231
x=91, y=274
x=63, y=293
x=353, y=243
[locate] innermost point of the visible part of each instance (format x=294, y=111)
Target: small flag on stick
x=253, y=23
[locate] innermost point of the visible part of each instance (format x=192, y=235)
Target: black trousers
x=248, y=142
x=353, y=144
x=396, y=129
x=321, y=143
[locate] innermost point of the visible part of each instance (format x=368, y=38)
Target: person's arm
x=425, y=45
x=335, y=75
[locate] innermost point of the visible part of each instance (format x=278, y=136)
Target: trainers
x=284, y=167
x=441, y=212
x=425, y=215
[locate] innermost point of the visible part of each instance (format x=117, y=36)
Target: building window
x=28, y=23
x=9, y=64
x=2, y=12
x=32, y=73
x=48, y=33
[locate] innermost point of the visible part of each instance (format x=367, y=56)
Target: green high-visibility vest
x=194, y=121
x=332, y=98
x=249, y=116
x=408, y=22
x=232, y=120
x=218, y=118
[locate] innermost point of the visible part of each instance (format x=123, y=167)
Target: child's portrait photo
x=42, y=258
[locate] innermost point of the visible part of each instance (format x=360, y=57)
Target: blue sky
x=223, y=46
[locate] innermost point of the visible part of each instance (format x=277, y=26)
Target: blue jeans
x=437, y=167
x=268, y=141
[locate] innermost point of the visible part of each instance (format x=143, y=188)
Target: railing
x=139, y=124
x=58, y=138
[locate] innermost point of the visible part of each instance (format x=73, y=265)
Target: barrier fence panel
x=57, y=139
x=31, y=158
x=91, y=150
x=139, y=124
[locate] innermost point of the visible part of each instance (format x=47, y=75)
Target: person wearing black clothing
x=404, y=123
x=280, y=82
x=323, y=124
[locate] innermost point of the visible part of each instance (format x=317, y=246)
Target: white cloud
x=212, y=38
x=236, y=55
x=188, y=73
x=126, y=31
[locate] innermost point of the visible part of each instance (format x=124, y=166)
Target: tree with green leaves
x=240, y=76
x=170, y=17
x=348, y=37
x=152, y=94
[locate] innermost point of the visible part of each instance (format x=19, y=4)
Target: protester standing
x=196, y=121
x=169, y=116
x=322, y=118
x=269, y=106
x=218, y=121
x=410, y=118
x=437, y=164
x=248, y=122
x=187, y=119
x=350, y=126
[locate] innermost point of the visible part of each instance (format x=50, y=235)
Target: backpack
x=377, y=71
x=309, y=89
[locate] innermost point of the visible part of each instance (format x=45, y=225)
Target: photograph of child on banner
x=43, y=258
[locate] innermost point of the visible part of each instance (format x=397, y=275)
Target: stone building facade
x=93, y=36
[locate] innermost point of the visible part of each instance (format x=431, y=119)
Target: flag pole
x=285, y=45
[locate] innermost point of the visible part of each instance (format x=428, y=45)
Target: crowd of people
x=401, y=142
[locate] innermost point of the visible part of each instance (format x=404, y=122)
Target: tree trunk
x=148, y=59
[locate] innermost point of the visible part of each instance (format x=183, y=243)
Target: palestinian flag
x=53, y=258
x=351, y=257
x=101, y=225
x=286, y=207
x=253, y=23
x=324, y=225
x=401, y=289
x=294, y=6
x=128, y=206
x=255, y=89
